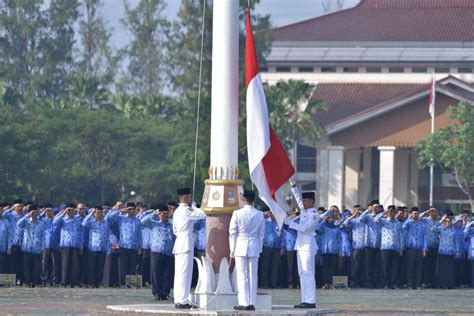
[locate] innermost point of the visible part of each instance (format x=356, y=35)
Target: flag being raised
x=269, y=165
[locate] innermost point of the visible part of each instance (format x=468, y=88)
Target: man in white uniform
x=184, y=218
x=306, y=249
x=246, y=231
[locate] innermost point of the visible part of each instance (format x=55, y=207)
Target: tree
x=96, y=57
x=453, y=148
x=146, y=50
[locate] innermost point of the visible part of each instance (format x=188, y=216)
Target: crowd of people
x=79, y=246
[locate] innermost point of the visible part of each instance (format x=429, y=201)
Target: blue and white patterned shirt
x=49, y=231
x=98, y=239
x=200, y=235
x=461, y=242
x=161, y=237
x=16, y=233
x=33, y=235
x=5, y=236
x=469, y=234
x=447, y=240
x=346, y=248
x=271, y=238
x=84, y=231
x=392, y=233
x=129, y=227
x=330, y=238
x=71, y=232
x=145, y=231
x=358, y=232
x=290, y=237
x=373, y=231
x=432, y=239
x=415, y=234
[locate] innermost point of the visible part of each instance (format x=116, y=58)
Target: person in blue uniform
x=469, y=235
x=144, y=258
x=161, y=245
x=273, y=248
x=330, y=248
x=70, y=243
x=50, y=243
x=344, y=259
x=129, y=239
x=430, y=218
x=199, y=232
x=31, y=246
x=81, y=213
x=13, y=215
x=290, y=240
x=459, y=275
x=448, y=249
x=5, y=240
x=97, y=245
x=357, y=278
x=415, y=247
x=373, y=258
x=391, y=245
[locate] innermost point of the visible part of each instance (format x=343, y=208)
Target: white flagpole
x=433, y=94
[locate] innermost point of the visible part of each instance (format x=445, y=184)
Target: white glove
x=287, y=220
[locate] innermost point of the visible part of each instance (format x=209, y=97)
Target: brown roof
x=388, y=21
x=346, y=100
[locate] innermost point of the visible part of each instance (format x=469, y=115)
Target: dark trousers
x=461, y=272
x=128, y=263
x=70, y=266
x=402, y=271
x=445, y=271
x=31, y=268
x=357, y=278
x=344, y=266
x=390, y=260
x=83, y=262
x=329, y=267
x=160, y=274
x=57, y=266
x=15, y=263
x=373, y=267
x=414, y=260
x=270, y=259
x=429, y=267
x=145, y=266
x=95, y=268
x=3, y=262
x=471, y=265
x=293, y=278
x=48, y=264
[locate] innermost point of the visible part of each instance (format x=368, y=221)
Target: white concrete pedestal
x=212, y=302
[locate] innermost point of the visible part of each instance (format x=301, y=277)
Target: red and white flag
x=432, y=96
x=269, y=165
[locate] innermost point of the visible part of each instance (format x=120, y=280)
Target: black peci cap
x=130, y=204
x=308, y=195
x=184, y=191
x=249, y=195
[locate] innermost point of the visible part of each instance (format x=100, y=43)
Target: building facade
x=371, y=65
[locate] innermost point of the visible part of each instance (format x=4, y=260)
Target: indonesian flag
x=432, y=96
x=269, y=165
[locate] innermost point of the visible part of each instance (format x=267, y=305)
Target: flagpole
x=432, y=91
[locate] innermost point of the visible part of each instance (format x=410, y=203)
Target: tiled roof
x=388, y=21
x=346, y=100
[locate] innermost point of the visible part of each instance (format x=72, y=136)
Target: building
x=372, y=65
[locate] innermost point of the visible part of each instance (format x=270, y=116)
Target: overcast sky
x=282, y=12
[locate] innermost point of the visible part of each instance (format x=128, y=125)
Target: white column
x=413, y=197
x=336, y=176
x=365, y=177
x=401, y=182
x=322, y=176
x=387, y=168
x=225, y=89
x=351, y=175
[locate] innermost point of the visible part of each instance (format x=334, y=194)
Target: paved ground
x=59, y=301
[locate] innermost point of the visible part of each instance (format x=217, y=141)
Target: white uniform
x=306, y=248
x=246, y=232
x=183, y=222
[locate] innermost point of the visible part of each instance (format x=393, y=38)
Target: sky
x=282, y=12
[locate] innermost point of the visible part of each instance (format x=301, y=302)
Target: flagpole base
x=222, y=196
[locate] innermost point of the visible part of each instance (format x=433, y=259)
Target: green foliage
x=453, y=147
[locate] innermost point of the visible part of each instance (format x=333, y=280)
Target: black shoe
x=157, y=298
x=185, y=306
x=251, y=308
x=164, y=297
x=241, y=308
x=305, y=305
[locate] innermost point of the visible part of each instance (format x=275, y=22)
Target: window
x=283, y=69
x=328, y=69
x=442, y=70
x=395, y=69
x=305, y=69
x=306, y=160
x=264, y=69
x=373, y=69
x=464, y=70
x=419, y=69
x=350, y=69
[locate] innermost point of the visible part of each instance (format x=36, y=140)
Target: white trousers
x=183, y=272
x=306, y=266
x=247, y=274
